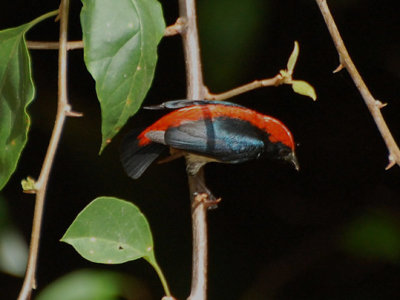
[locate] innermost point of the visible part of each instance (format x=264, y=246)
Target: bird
x=206, y=131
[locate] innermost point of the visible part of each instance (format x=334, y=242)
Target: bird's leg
x=205, y=195
x=175, y=153
x=205, y=198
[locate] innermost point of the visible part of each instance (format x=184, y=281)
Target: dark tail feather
x=135, y=158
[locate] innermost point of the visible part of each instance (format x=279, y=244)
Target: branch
x=72, y=45
x=63, y=110
x=36, y=45
x=283, y=77
x=274, y=81
x=175, y=29
x=171, y=30
x=373, y=105
x=195, y=90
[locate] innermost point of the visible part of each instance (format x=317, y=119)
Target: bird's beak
x=292, y=158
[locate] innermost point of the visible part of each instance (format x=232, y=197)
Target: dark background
x=331, y=231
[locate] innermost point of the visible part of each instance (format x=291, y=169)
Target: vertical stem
x=194, y=75
x=41, y=184
x=195, y=90
x=200, y=240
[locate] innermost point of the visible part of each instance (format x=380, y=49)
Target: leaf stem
x=41, y=184
x=44, y=17
x=373, y=105
x=160, y=274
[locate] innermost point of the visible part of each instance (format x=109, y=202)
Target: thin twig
x=41, y=184
x=175, y=29
x=195, y=90
x=37, y=45
x=373, y=105
x=274, y=81
x=171, y=30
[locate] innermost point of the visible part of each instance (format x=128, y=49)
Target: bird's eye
x=284, y=152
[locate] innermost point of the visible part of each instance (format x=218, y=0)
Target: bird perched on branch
x=207, y=131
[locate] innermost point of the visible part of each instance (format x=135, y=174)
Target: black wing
x=225, y=139
x=176, y=104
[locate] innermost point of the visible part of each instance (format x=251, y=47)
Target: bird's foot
x=207, y=199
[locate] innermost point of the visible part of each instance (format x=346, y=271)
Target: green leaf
x=13, y=251
x=110, y=231
x=84, y=285
x=28, y=185
x=304, y=88
x=113, y=231
x=93, y=285
x=374, y=236
x=293, y=58
x=13, y=247
x=120, y=49
x=16, y=93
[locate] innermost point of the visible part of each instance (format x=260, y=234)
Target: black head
x=280, y=151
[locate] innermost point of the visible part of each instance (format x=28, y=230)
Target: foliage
x=93, y=284
x=112, y=231
x=299, y=86
x=121, y=53
x=16, y=93
x=13, y=248
x=374, y=235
